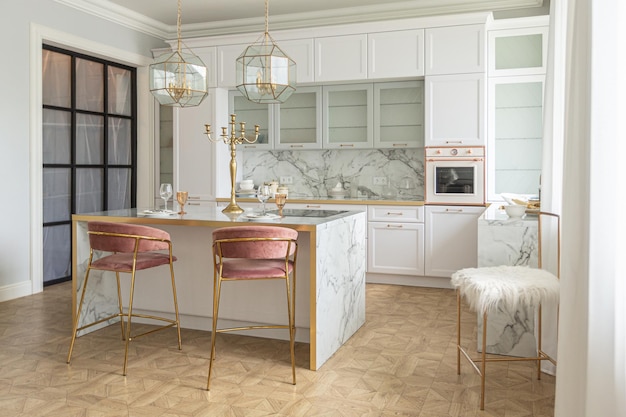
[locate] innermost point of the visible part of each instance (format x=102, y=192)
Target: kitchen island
x=330, y=290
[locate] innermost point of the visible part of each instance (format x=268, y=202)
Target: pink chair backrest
x=264, y=249
x=125, y=244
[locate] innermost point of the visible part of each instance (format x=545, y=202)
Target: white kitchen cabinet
x=395, y=240
x=348, y=118
x=455, y=50
x=252, y=114
x=455, y=110
x=451, y=234
x=299, y=120
x=301, y=51
x=227, y=64
x=208, y=55
x=395, y=54
x=341, y=58
x=194, y=154
x=399, y=114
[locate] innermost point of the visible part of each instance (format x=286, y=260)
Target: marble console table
x=506, y=241
x=330, y=291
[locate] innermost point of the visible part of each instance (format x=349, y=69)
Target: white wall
x=16, y=259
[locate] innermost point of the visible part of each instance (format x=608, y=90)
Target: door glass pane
x=57, y=252
x=518, y=145
x=524, y=51
x=347, y=116
x=166, y=144
x=56, y=136
x=89, y=139
x=56, y=194
x=253, y=114
x=56, y=79
x=298, y=118
x=89, y=190
x=89, y=85
x=119, y=188
x=402, y=114
x=119, y=141
x=119, y=91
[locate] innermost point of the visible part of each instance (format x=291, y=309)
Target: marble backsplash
x=315, y=172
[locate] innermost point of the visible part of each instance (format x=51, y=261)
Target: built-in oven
x=454, y=175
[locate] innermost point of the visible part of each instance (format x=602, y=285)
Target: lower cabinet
x=395, y=240
x=450, y=239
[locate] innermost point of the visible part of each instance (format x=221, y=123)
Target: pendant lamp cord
x=267, y=31
x=178, y=25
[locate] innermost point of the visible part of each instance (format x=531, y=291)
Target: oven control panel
x=456, y=151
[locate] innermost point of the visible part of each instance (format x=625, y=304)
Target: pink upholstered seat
x=254, y=253
x=130, y=248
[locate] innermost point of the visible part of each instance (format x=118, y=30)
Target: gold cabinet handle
x=394, y=226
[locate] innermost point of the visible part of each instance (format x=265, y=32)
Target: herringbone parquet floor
x=400, y=363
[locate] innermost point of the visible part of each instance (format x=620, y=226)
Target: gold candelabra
x=233, y=140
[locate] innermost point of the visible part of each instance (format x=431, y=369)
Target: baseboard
x=13, y=291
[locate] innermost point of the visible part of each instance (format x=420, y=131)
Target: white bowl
x=246, y=185
x=515, y=211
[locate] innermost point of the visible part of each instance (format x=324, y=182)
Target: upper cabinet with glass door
x=252, y=114
x=520, y=51
x=399, y=114
x=299, y=120
x=348, y=119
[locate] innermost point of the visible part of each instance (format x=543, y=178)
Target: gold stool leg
x=291, y=314
x=217, y=286
x=180, y=347
x=458, y=332
x=539, y=351
x=77, y=318
x=484, y=364
x=129, y=315
x=119, y=304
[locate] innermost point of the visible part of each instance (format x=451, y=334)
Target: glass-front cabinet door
x=300, y=120
x=399, y=114
x=519, y=51
x=348, y=116
x=252, y=114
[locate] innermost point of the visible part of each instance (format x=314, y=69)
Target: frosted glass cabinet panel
x=516, y=130
x=399, y=114
x=518, y=51
x=347, y=119
x=300, y=120
x=252, y=114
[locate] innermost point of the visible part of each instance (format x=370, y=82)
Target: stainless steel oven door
x=455, y=180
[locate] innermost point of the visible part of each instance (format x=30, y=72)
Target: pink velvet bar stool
x=247, y=253
x=127, y=248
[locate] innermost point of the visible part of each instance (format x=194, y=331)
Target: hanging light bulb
x=178, y=78
x=265, y=74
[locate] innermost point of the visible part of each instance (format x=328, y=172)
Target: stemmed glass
x=280, y=199
x=166, y=192
x=181, y=197
x=263, y=194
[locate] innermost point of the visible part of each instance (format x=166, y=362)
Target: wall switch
x=286, y=180
x=380, y=180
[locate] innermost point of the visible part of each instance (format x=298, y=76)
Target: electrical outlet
x=286, y=180
x=380, y=180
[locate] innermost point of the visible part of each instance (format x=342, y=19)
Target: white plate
x=261, y=218
x=158, y=213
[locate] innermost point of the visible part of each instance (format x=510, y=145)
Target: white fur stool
x=489, y=288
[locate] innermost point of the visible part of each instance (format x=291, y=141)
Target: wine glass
x=280, y=199
x=166, y=192
x=181, y=197
x=263, y=194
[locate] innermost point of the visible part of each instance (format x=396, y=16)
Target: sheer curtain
x=591, y=372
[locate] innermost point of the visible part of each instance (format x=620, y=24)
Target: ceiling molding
x=388, y=11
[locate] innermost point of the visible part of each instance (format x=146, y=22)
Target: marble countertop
x=209, y=217
x=496, y=216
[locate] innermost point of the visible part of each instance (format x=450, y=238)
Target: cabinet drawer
x=413, y=214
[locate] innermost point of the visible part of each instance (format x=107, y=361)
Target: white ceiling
x=214, y=17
